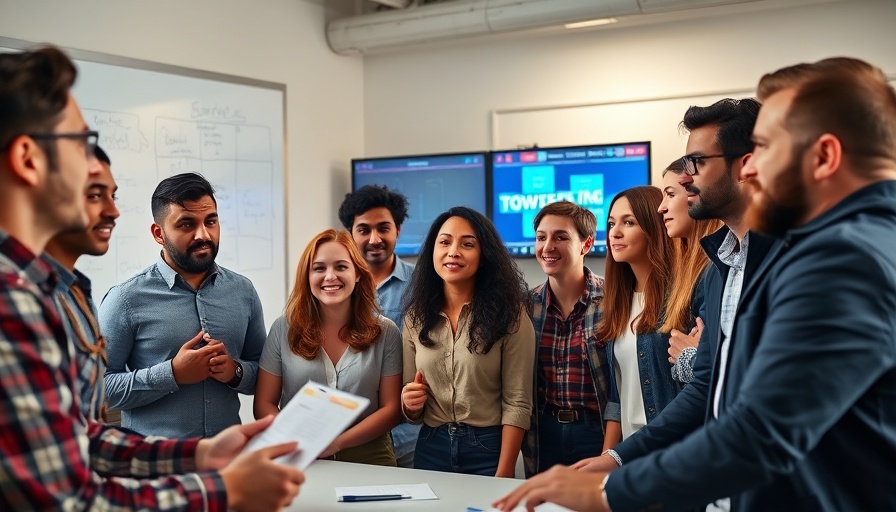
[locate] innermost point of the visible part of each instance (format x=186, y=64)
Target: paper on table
x=314, y=417
x=415, y=491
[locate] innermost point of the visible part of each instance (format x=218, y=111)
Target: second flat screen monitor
x=432, y=184
x=524, y=181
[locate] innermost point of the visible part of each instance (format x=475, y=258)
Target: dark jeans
x=568, y=443
x=459, y=448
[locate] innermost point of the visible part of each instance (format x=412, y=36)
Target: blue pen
x=375, y=497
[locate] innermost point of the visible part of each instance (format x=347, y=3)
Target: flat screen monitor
x=524, y=181
x=432, y=184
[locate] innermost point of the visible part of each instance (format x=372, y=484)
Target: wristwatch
x=237, y=376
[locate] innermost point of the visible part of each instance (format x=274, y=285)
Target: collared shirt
x=147, y=319
x=734, y=254
x=91, y=367
x=481, y=390
x=390, y=292
x=45, y=439
x=359, y=373
x=564, y=375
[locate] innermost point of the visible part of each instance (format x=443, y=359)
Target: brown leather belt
x=566, y=415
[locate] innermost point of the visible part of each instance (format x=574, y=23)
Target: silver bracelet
x=616, y=457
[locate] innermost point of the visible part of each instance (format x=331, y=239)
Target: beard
x=187, y=261
x=777, y=214
x=382, y=258
x=717, y=201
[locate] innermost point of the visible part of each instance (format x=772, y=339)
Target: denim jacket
x=658, y=388
x=594, y=352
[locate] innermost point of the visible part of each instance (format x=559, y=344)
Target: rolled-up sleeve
x=518, y=360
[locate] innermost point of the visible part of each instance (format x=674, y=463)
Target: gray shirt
x=358, y=373
x=146, y=320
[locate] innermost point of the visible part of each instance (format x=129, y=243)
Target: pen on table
x=375, y=497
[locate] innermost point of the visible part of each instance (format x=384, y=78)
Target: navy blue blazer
x=807, y=418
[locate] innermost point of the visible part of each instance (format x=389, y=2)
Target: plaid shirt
x=564, y=375
x=51, y=458
x=595, y=355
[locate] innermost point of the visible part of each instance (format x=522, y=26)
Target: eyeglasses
x=90, y=139
x=690, y=161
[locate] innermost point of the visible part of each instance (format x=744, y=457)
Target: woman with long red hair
x=331, y=333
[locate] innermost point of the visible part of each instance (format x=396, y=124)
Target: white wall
x=275, y=40
x=440, y=99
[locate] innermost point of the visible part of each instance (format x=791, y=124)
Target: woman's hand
x=414, y=394
x=678, y=340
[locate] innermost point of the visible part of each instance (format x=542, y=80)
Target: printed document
x=314, y=418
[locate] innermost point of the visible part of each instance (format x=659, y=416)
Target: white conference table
x=456, y=492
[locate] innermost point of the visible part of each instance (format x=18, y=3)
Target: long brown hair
x=688, y=265
x=303, y=309
x=619, y=285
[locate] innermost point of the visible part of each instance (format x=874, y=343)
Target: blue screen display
x=524, y=181
x=432, y=184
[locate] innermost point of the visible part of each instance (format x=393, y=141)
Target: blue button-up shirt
x=390, y=292
x=147, y=319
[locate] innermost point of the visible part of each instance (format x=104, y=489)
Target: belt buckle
x=567, y=415
x=453, y=428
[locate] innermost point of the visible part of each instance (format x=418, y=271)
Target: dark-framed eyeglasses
x=689, y=162
x=90, y=138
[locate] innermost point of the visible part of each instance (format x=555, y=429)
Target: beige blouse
x=481, y=390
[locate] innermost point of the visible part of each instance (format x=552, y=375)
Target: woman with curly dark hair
x=469, y=349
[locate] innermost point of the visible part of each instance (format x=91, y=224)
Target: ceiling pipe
x=465, y=18
x=395, y=4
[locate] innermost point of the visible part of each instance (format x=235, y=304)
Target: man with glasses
x=52, y=456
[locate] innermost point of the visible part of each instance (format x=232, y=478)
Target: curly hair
x=372, y=196
x=303, y=310
x=499, y=292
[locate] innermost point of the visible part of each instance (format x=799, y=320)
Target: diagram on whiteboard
x=237, y=160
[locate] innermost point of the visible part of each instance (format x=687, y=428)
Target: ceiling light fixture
x=591, y=23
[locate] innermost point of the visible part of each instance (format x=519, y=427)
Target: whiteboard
x=156, y=121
